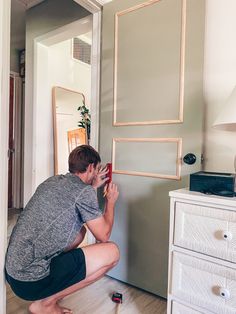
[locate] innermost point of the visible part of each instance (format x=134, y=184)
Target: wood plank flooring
x=96, y=299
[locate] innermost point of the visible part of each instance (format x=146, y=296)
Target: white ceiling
x=18, y=20
x=18, y=15
x=30, y=3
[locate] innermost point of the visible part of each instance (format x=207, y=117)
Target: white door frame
x=94, y=7
x=5, y=5
x=17, y=138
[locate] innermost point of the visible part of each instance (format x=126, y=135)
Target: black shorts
x=66, y=269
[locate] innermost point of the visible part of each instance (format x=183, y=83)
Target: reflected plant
x=85, y=121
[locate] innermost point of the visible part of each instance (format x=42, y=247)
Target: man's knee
x=115, y=252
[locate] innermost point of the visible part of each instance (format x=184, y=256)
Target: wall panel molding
x=180, y=101
x=177, y=141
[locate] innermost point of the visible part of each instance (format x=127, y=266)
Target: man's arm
x=101, y=227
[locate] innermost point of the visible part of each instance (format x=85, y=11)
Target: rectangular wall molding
x=129, y=155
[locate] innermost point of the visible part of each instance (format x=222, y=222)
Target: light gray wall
x=142, y=215
x=14, y=60
x=219, y=80
x=17, y=33
x=41, y=19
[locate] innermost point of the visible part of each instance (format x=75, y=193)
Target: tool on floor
x=117, y=298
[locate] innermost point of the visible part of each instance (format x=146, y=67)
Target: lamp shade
x=226, y=120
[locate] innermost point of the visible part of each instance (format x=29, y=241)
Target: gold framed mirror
x=66, y=132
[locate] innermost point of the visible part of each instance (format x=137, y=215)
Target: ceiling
x=17, y=25
x=30, y=3
x=18, y=20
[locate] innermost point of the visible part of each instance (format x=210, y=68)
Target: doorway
x=55, y=65
x=15, y=150
x=93, y=8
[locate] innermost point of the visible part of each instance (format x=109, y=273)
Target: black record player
x=222, y=184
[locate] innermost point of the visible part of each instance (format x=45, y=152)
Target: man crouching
x=43, y=263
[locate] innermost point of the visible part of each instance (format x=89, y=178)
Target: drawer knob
x=227, y=236
x=224, y=293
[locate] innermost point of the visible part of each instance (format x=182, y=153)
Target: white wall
x=71, y=74
x=44, y=18
x=219, y=80
x=67, y=72
x=74, y=75
x=54, y=67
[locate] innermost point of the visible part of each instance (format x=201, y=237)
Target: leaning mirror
x=66, y=118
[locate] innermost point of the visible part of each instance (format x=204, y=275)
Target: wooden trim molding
x=177, y=175
x=182, y=66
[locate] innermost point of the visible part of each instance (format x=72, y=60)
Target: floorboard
x=96, y=299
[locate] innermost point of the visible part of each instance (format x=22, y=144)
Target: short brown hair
x=81, y=157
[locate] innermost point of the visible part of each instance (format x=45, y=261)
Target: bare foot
x=39, y=307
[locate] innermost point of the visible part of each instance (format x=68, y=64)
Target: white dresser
x=202, y=254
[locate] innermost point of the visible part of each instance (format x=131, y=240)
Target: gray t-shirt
x=49, y=224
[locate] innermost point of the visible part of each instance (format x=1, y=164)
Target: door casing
x=5, y=6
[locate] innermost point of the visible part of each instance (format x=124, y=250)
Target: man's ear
x=90, y=167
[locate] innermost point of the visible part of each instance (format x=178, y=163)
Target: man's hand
x=111, y=192
x=101, y=227
x=100, y=178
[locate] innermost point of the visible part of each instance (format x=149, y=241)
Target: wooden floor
x=96, y=299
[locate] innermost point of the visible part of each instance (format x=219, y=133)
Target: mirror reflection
x=67, y=132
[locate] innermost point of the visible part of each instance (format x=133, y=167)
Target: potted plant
x=85, y=121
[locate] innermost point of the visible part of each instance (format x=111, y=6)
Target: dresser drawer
x=203, y=283
x=206, y=230
x=178, y=308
